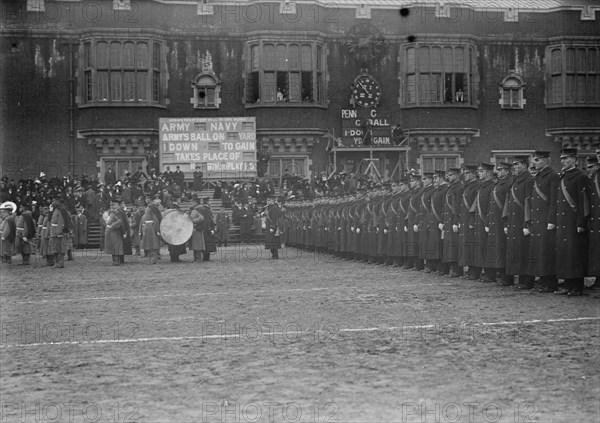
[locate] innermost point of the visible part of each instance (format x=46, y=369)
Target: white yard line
x=294, y=334
x=200, y=294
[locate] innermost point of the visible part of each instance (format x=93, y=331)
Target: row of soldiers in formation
x=545, y=226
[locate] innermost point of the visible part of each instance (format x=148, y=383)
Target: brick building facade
x=84, y=83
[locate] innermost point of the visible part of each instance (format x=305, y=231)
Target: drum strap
x=497, y=200
x=568, y=196
x=540, y=193
x=514, y=196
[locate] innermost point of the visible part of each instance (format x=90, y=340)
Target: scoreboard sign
x=365, y=128
x=222, y=147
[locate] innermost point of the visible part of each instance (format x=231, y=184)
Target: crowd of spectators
x=137, y=188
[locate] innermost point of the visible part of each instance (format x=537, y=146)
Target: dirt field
x=307, y=338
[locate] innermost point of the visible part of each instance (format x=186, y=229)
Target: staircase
x=94, y=234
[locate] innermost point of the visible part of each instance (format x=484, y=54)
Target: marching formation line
x=295, y=333
x=199, y=294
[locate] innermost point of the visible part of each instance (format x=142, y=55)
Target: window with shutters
x=437, y=74
x=511, y=92
x=573, y=75
x=285, y=72
x=122, y=71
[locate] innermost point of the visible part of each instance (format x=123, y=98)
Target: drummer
x=149, y=232
x=175, y=251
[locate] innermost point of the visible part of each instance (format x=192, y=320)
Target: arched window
x=511, y=92
x=206, y=91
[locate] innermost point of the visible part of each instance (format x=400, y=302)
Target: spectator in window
x=459, y=96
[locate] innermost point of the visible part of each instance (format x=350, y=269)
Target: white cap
x=8, y=205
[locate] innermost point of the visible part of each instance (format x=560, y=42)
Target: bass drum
x=176, y=227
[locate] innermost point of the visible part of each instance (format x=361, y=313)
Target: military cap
x=206, y=200
x=487, y=166
x=470, y=167
x=414, y=175
x=542, y=154
x=568, y=152
x=453, y=170
x=592, y=161
x=427, y=174
x=503, y=165
x=440, y=173
x=521, y=159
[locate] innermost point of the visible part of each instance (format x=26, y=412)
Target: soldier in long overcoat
x=466, y=233
x=272, y=237
x=572, y=214
x=113, y=237
x=411, y=226
x=45, y=235
x=197, y=244
x=149, y=234
x=8, y=230
x=479, y=221
x=452, y=202
x=541, y=221
x=425, y=220
x=517, y=232
x=209, y=229
x=495, y=263
x=223, y=222
x=60, y=226
x=437, y=229
x=594, y=225
x=26, y=233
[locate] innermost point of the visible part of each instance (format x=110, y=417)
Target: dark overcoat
x=479, y=214
x=452, y=201
x=517, y=243
x=542, y=211
x=572, y=211
x=594, y=226
x=496, y=242
x=272, y=237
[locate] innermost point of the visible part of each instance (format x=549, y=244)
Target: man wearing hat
x=572, y=212
x=517, y=232
x=197, y=244
x=540, y=218
x=594, y=226
x=25, y=233
x=8, y=230
x=437, y=231
x=425, y=223
x=466, y=234
x=451, y=205
x=272, y=238
x=479, y=220
x=495, y=266
x=113, y=235
x=60, y=228
x=411, y=249
x=209, y=229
